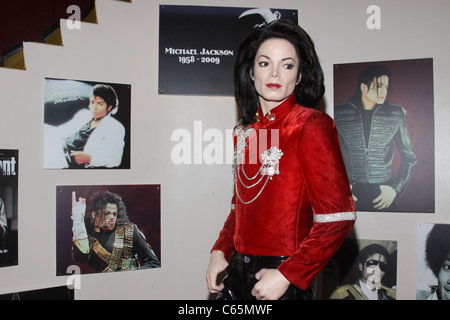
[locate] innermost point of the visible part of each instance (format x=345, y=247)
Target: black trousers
x=240, y=278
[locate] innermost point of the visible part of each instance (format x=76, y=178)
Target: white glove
x=78, y=213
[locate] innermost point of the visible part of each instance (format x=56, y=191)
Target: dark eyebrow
x=284, y=59
x=264, y=56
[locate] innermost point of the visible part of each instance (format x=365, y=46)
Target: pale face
x=373, y=270
x=378, y=90
x=275, y=72
x=98, y=107
x=106, y=219
x=444, y=279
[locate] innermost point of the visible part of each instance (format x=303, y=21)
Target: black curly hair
x=437, y=247
x=99, y=201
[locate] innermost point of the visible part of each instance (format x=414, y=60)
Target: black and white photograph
x=9, y=178
x=433, y=262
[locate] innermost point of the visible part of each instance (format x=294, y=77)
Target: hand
x=217, y=264
x=354, y=198
x=386, y=197
x=78, y=207
x=78, y=213
x=271, y=285
x=81, y=157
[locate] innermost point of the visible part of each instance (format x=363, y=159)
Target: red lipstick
x=273, y=86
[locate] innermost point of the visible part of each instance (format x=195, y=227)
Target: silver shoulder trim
x=334, y=217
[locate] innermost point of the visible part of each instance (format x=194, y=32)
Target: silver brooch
x=271, y=161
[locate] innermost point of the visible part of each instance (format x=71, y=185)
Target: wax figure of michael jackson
x=292, y=207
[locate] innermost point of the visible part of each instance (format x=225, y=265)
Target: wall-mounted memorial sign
x=198, y=45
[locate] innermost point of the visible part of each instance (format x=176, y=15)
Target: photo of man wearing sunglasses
x=369, y=269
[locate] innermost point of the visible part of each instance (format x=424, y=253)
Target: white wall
x=123, y=48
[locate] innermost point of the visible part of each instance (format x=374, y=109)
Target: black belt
x=259, y=261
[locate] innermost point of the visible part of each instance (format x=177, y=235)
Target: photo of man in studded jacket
x=371, y=133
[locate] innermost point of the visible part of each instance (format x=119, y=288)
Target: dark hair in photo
x=369, y=74
x=354, y=273
x=371, y=249
x=311, y=87
x=107, y=93
x=437, y=247
x=99, y=201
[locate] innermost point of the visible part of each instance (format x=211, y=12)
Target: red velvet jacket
x=306, y=210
